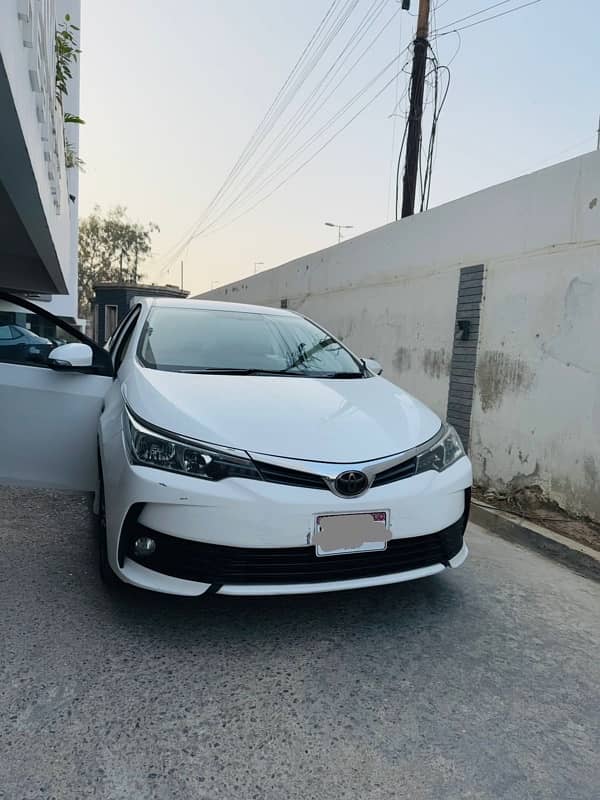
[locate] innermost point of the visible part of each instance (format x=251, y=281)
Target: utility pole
x=413, y=136
x=182, y=273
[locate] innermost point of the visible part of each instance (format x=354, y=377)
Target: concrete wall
x=391, y=293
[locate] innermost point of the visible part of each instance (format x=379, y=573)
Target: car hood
x=334, y=420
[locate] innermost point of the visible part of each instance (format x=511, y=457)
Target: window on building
x=111, y=318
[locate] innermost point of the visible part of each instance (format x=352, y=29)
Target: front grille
x=308, y=480
x=290, y=477
x=217, y=564
x=396, y=473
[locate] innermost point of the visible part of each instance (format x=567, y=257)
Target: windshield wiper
x=341, y=375
x=232, y=371
x=254, y=371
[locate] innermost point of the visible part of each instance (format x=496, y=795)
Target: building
x=113, y=300
x=487, y=309
x=38, y=192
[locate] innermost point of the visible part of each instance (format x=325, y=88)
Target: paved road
x=480, y=683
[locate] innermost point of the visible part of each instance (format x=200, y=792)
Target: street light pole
x=340, y=228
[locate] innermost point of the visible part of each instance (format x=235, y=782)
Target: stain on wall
x=345, y=330
x=591, y=473
x=436, y=363
x=402, y=359
x=578, y=324
x=581, y=498
x=499, y=374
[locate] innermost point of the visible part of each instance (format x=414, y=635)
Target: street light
x=340, y=228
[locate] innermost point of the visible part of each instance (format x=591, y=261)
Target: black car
x=19, y=344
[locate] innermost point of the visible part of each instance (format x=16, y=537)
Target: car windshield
x=212, y=340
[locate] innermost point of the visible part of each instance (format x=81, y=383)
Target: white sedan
x=237, y=450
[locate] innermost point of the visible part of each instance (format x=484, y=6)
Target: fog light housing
x=144, y=547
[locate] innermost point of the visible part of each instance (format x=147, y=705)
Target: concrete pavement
x=480, y=683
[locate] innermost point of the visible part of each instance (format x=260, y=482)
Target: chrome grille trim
x=329, y=471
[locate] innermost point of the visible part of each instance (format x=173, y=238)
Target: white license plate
x=336, y=534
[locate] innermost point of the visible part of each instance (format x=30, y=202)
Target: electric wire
x=439, y=96
x=470, y=16
x=253, y=190
x=309, y=110
x=311, y=157
x=259, y=178
x=437, y=110
x=335, y=18
x=171, y=253
x=436, y=35
x=397, y=101
x=312, y=139
x=286, y=95
x=458, y=48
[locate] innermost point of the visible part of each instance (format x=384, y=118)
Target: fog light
x=144, y=547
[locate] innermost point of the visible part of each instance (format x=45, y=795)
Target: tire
x=106, y=571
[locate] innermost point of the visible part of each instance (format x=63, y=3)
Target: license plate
x=336, y=534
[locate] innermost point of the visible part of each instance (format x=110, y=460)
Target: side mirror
x=74, y=355
x=373, y=366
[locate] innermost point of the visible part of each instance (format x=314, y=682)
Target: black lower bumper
x=219, y=564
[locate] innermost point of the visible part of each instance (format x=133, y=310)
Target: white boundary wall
x=391, y=293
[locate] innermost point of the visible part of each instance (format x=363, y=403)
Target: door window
x=28, y=338
x=28, y=334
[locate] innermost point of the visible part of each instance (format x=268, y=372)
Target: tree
x=111, y=248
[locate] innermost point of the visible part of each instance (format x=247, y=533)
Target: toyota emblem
x=350, y=484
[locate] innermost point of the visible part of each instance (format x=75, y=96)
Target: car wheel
x=106, y=571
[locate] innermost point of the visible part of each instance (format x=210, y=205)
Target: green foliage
x=67, y=50
x=72, y=158
x=74, y=118
x=111, y=248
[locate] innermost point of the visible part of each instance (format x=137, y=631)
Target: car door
x=48, y=416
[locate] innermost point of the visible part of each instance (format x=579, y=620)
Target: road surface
x=480, y=683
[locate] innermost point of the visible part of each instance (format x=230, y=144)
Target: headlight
x=444, y=452
x=151, y=449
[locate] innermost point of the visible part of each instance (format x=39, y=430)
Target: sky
x=172, y=92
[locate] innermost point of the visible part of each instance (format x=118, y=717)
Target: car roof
x=212, y=305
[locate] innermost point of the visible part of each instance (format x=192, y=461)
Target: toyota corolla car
x=237, y=450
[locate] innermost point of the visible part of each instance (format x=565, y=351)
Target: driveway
x=479, y=683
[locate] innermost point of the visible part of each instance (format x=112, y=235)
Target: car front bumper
x=216, y=536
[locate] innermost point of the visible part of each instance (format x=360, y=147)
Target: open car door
x=53, y=380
